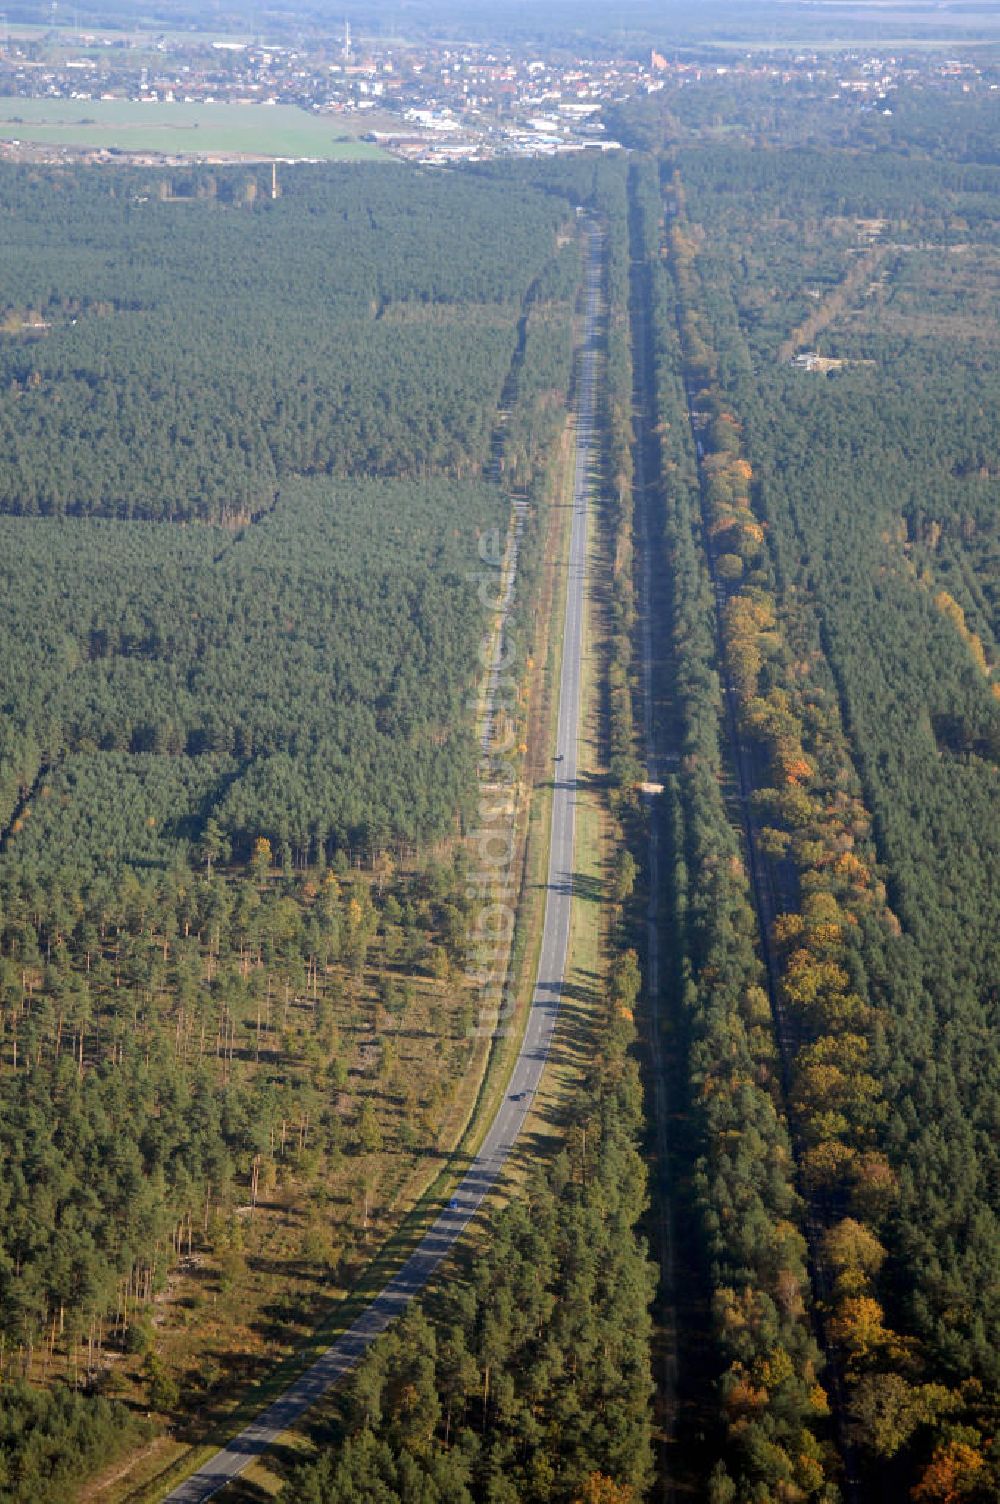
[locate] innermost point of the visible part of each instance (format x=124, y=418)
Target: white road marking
x=345, y=1353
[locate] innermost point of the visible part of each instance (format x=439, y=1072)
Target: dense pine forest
x=174, y=349
x=526, y=1378
x=823, y=320
x=252, y=449
x=253, y=454
x=303, y=680
x=142, y=681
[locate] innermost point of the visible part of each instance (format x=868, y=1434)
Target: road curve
x=347, y=1350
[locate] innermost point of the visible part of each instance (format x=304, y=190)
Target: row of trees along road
x=242, y=456
x=851, y=520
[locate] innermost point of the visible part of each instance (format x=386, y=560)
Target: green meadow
x=253, y=129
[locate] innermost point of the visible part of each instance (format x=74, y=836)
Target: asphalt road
x=345, y=1353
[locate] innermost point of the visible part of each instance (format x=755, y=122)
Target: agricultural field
x=182, y=128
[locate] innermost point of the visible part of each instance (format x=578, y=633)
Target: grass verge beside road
x=265, y=1477
x=570, y=1056
x=163, y=1472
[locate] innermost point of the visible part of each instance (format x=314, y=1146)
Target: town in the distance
x=499, y=752
x=425, y=101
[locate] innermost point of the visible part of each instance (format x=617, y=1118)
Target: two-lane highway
x=344, y=1354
